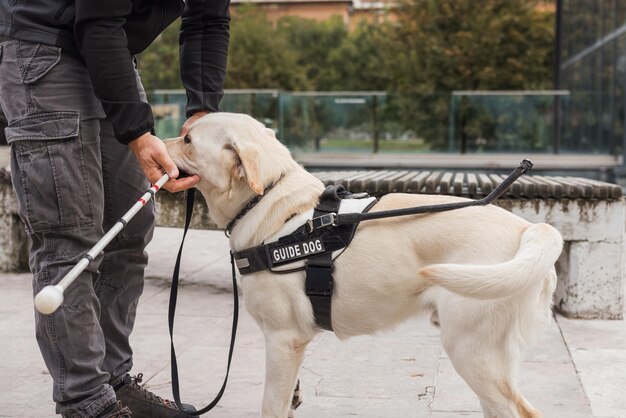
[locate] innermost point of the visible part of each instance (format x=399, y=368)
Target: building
x=350, y=11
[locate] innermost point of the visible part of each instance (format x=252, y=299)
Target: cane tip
x=48, y=299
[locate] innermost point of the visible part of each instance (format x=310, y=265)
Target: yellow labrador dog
x=484, y=275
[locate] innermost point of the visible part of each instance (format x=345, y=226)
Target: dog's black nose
x=182, y=174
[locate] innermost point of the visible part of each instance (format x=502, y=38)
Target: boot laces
x=123, y=413
x=145, y=393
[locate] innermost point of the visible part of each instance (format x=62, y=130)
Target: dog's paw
x=296, y=400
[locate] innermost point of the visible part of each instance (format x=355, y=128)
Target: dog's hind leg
x=489, y=364
x=284, y=355
x=499, y=397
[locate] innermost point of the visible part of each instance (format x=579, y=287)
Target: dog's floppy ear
x=270, y=132
x=246, y=165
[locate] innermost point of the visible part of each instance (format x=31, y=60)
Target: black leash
x=350, y=218
x=172, y=310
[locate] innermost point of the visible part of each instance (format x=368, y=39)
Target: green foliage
x=314, y=43
x=360, y=62
x=446, y=45
x=433, y=48
x=261, y=57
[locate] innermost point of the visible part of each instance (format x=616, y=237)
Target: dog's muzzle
x=182, y=174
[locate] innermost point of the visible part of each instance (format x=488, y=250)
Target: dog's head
x=235, y=156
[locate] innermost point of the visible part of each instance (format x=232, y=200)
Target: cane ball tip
x=48, y=299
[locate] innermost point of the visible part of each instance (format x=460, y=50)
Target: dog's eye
x=187, y=139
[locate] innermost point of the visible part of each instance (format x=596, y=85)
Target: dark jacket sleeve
x=100, y=37
x=204, y=37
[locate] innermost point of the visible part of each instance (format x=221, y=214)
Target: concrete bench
x=590, y=214
x=13, y=238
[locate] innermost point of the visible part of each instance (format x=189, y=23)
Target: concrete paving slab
x=606, y=384
x=196, y=301
x=206, y=257
x=598, y=351
x=592, y=334
x=202, y=371
x=550, y=346
x=452, y=394
x=399, y=374
x=549, y=383
x=202, y=339
x=395, y=366
x=337, y=407
x=27, y=391
x=552, y=388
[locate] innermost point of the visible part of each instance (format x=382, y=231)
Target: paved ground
x=578, y=370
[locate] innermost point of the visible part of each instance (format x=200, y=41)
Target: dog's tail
x=539, y=249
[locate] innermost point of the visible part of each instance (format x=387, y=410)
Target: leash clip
x=321, y=221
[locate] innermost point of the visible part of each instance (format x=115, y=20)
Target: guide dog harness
x=310, y=241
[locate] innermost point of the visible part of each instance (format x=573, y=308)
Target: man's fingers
x=162, y=158
x=181, y=184
x=153, y=158
x=154, y=175
x=169, y=166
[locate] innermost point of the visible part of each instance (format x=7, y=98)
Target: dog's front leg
x=284, y=355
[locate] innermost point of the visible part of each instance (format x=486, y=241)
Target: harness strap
x=264, y=256
x=319, y=288
x=172, y=311
x=319, y=281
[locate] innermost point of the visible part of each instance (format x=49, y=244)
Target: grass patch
x=413, y=145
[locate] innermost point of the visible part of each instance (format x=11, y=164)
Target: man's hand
x=154, y=160
x=190, y=121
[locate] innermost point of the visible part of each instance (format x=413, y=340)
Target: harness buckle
x=321, y=221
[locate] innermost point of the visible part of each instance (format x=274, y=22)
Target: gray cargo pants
x=73, y=181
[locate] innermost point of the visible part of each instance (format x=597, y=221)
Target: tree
x=433, y=48
x=447, y=45
x=314, y=43
x=359, y=63
x=260, y=57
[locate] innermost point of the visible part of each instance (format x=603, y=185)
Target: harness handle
x=172, y=312
x=350, y=218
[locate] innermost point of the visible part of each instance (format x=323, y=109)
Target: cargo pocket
x=35, y=60
x=49, y=173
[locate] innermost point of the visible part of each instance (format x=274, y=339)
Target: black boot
x=145, y=404
x=116, y=411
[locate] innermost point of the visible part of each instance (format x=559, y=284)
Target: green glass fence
x=504, y=121
x=377, y=122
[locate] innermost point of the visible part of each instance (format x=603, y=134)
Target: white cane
x=50, y=297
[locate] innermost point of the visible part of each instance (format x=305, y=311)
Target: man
x=69, y=89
